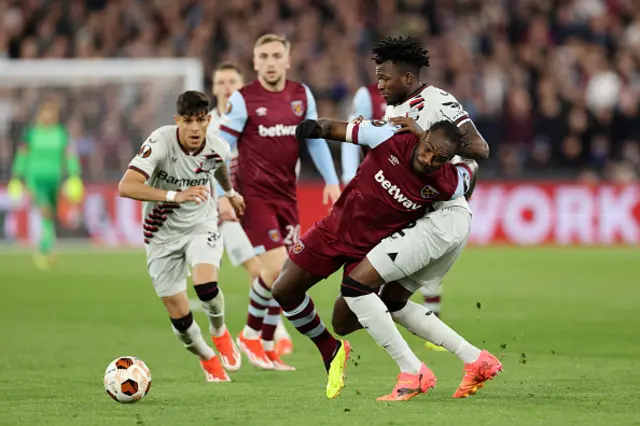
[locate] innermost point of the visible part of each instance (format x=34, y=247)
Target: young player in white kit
x=227, y=78
x=172, y=176
x=418, y=257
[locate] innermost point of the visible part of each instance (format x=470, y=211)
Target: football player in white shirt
x=172, y=176
x=227, y=78
x=418, y=257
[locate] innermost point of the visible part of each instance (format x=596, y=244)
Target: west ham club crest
x=274, y=234
x=298, y=108
x=429, y=192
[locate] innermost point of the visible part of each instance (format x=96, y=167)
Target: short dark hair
x=228, y=66
x=192, y=103
x=407, y=52
x=451, y=131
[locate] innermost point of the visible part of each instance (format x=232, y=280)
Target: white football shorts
x=421, y=254
x=236, y=243
x=168, y=263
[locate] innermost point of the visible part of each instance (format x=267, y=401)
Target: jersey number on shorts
x=401, y=233
x=212, y=238
x=293, y=235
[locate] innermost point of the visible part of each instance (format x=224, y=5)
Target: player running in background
x=260, y=120
x=370, y=105
x=44, y=157
x=181, y=225
x=227, y=78
x=397, y=182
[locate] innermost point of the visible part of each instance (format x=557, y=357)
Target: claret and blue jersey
x=262, y=125
x=386, y=193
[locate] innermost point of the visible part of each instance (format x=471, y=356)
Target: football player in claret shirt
x=398, y=181
x=418, y=257
x=260, y=120
x=227, y=78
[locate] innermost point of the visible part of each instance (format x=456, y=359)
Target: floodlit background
x=554, y=87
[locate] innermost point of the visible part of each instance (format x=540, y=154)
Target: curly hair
x=406, y=52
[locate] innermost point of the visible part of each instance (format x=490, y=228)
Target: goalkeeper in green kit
x=40, y=164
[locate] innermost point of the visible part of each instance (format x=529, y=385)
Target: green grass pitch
x=566, y=322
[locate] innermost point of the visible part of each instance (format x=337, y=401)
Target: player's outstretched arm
x=324, y=128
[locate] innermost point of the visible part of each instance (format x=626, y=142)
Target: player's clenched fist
x=237, y=201
x=198, y=194
x=308, y=129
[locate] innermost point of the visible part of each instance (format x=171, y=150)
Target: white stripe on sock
x=257, y=298
x=301, y=307
x=316, y=331
x=258, y=313
x=260, y=289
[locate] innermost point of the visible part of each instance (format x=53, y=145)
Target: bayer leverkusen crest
x=298, y=108
x=429, y=192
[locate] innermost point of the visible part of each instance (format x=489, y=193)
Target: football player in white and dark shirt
x=418, y=257
x=171, y=175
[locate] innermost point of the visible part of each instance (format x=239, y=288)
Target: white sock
x=250, y=333
x=423, y=323
x=214, y=309
x=193, y=341
x=432, y=296
x=281, y=330
x=375, y=318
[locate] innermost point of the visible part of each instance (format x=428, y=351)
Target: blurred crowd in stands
x=554, y=86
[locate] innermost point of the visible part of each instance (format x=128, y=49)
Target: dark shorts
x=271, y=225
x=319, y=255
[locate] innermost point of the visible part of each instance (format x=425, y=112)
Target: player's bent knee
x=394, y=306
x=291, y=284
x=253, y=267
x=204, y=273
x=352, y=288
x=272, y=263
x=280, y=289
x=344, y=321
x=395, y=296
x=366, y=274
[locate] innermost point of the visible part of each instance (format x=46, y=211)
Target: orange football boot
x=410, y=385
x=486, y=367
x=213, y=370
x=229, y=352
x=255, y=351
